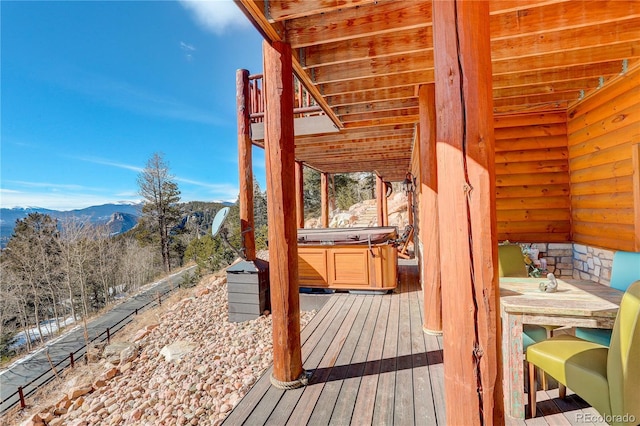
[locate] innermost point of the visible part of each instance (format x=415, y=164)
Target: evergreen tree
x=161, y=197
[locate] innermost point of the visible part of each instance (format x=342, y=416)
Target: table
x=575, y=304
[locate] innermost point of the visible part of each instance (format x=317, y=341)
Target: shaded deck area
x=373, y=364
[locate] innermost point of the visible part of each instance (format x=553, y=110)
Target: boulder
x=176, y=350
x=128, y=354
x=78, y=392
x=112, y=352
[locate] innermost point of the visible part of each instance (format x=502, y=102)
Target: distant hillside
x=120, y=217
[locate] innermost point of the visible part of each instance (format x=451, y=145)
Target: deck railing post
x=23, y=404
x=245, y=166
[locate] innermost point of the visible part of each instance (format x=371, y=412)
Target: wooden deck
x=373, y=365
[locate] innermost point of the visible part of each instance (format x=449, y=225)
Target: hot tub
x=348, y=258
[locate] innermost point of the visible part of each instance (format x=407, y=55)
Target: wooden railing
x=303, y=104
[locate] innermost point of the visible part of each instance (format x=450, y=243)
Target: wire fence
x=20, y=395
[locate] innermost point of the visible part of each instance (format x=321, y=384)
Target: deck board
x=343, y=409
x=373, y=364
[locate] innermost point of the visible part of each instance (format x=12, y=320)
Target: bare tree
x=32, y=255
x=161, y=197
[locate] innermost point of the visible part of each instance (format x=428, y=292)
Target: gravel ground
x=222, y=361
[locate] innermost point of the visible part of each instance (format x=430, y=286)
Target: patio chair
x=608, y=378
x=511, y=264
x=402, y=243
x=624, y=270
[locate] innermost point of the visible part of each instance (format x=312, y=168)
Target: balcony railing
x=303, y=104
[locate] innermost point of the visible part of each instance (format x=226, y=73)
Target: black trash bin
x=248, y=289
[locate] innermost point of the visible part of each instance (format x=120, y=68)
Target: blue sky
x=90, y=90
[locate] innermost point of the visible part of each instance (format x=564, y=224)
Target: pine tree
x=161, y=197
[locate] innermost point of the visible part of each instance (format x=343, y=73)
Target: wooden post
x=283, y=247
x=410, y=208
x=385, y=204
x=429, y=231
x=23, y=404
x=380, y=199
x=324, y=199
x=108, y=336
x=467, y=217
x=71, y=360
x=245, y=169
x=636, y=193
x=299, y=194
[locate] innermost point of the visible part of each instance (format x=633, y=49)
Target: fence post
x=21, y=395
x=159, y=299
x=71, y=358
x=108, y=336
x=136, y=311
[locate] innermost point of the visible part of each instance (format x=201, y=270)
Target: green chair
x=511, y=261
x=608, y=378
x=624, y=270
x=511, y=264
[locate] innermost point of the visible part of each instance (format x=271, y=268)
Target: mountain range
x=120, y=217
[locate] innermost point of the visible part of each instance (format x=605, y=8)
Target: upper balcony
x=309, y=118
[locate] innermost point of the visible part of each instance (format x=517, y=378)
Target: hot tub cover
x=341, y=236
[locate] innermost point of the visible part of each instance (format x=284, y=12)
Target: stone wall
x=558, y=256
x=591, y=263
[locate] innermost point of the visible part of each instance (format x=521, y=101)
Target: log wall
x=532, y=180
x=602, y=132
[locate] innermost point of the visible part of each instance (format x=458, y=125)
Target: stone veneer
x=591, y=263
x=559, y=257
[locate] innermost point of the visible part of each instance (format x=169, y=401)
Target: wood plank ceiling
x=364, y=59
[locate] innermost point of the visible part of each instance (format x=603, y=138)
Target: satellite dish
x=219, y=220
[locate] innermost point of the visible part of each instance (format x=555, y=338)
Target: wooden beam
x=429, y=227
x=245, y=168
x=324, y=200
x=467, y=219
x=299, y=194
x=378, y=82
x=399, y=63
x=636, y=193
x=281, y=10
x=358, y=22
x=283, y=248
x=366, y=47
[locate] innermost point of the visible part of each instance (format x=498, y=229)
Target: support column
x=245, y=168
x=299, y=195
x=324, y=199
x=635, y=155
x=385, y=204
x=410, y=208
x=380, y=199
x=283, y=247
x=429, y=230
x=467, y=216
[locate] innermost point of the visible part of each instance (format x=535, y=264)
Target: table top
x=572, y=298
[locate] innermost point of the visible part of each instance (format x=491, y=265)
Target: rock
x=201, y=291
x=56, y=421
x=109, y=374
x=141, y=334
x=79, y=391
x=112, y=352
x=176, y=350
x=128, y=354
x=99, y=383
x=95, y=351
